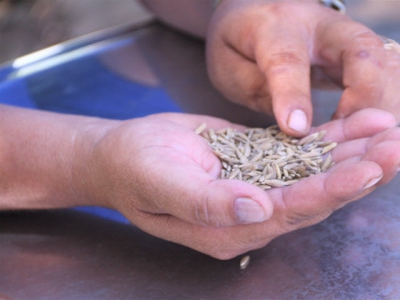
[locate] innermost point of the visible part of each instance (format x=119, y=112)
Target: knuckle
x=202, y=214
x=285, y=61
x=366, y=45
x=296, y=221
x=205, y=214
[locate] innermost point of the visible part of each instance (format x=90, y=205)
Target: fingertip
x=298, y=122
x=387, y=118
x=293, y=113
x=372, y=181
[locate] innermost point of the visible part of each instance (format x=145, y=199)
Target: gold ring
x=390, y=44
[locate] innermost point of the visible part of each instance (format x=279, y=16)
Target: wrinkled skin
x=260, y=53
x=166, y=181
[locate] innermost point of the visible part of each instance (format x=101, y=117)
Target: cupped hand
x=164, y=177
x=260, y=53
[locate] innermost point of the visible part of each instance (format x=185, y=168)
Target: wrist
x=87, y=175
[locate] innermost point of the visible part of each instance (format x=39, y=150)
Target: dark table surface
x=73, y=254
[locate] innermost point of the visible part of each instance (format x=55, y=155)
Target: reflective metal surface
x=69, y=254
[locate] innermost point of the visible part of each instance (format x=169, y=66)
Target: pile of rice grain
x=268, y=157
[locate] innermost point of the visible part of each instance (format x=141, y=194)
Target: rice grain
x=268, y=157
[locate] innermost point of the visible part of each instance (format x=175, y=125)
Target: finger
x=313, y=199
x=364, y=123
x=384, y=153
x=360, y=147
x=360, y=53
x=193, y=195
x=230, y=57
x=283, y=57
x=387, y=155
x=349, y=149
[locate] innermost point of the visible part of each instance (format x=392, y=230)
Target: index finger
x=283, y=58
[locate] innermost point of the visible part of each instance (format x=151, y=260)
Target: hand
x=260, y=53
x=160, y=174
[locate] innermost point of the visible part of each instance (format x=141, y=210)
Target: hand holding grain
x=165, y=178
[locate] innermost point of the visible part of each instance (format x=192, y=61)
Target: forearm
x=42, y=156
x=190, y=16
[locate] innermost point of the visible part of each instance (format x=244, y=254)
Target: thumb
x=232, y=202
x=199, y=198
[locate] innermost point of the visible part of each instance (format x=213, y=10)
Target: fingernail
x=372, y=182
x=298, y=121
x=249, y=211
